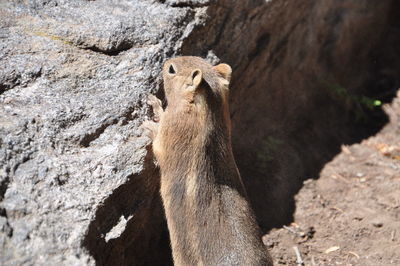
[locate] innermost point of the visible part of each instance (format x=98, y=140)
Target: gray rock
x=77, y=181
x=74, y=77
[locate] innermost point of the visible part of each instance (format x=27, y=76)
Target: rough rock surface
x=74, y=77
x=77, y=184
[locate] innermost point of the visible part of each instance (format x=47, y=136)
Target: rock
x=77, y=183
x=377, y=224
x=300, y=73
x=74, y=77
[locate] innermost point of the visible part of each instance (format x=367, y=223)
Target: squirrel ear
x=196, y=77
x=224, y=70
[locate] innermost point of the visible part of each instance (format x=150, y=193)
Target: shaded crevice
x=312, y=132
x=144, y=240
x=261, y=43
x=13, y=82
x=4, y=186
x=286, y=125
x=110, y=52
x=6, y=227
x=3, y=88
x=92, y=136
x=190, y=4
x=16, y=79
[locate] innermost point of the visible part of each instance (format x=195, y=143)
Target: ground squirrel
x=208, y=215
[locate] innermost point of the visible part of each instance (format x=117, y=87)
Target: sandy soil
x=350, y=214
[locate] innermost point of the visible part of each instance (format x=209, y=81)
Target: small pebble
x=377, y=224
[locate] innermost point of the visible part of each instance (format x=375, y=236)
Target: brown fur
x=208, y=216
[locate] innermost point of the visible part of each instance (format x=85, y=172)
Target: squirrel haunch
x=208, y=215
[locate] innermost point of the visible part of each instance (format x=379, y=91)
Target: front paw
x=150, y=129
x=156, y=105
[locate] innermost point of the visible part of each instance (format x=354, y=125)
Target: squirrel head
x=188, y=78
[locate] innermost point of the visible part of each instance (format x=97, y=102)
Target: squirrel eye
x=171, y=69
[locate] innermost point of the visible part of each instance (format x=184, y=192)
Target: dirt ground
x=350, y=214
